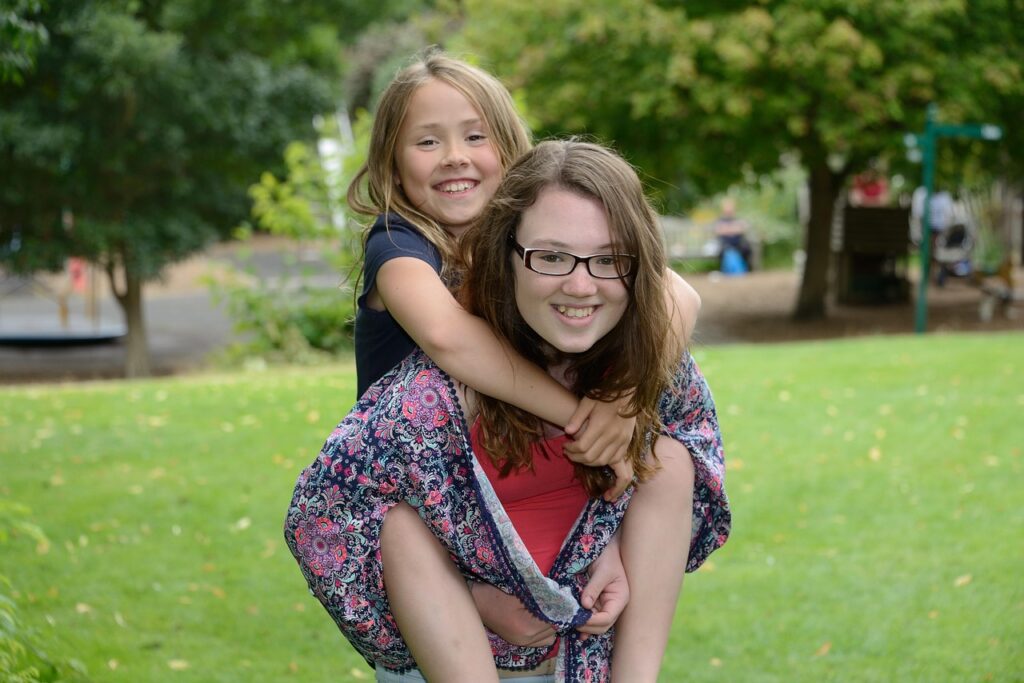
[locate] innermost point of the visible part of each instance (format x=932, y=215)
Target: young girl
x=417, y=439
x=443, y=136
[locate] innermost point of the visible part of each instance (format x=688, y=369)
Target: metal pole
x=927, y=142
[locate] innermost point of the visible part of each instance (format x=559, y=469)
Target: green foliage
x=21, y=36
x=694, y=92
x=133, y=142
x=22, y=660
x=294, y=323
x=292, y=319
x=296, y=206
x=874, y=483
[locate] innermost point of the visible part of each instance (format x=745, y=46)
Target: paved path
x=186, y=326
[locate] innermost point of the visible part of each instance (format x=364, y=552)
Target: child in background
x=443, y=136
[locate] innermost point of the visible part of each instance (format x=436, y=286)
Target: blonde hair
x=638, y=355
x=382, y=193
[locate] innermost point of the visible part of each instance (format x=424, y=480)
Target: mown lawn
x=877, y=486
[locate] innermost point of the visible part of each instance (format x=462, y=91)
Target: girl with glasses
x=491, y=481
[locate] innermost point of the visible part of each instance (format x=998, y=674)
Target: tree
x=696, y=92
x=20, y=38
x=133, y=142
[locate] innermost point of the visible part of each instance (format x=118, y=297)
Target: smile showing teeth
x=572, y=312
x=456, y=186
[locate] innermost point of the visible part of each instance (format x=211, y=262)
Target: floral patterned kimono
x=407, y=440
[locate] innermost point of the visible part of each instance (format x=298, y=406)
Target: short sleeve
x=393, y=237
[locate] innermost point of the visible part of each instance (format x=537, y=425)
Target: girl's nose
x=579, y=282
x=455, y=156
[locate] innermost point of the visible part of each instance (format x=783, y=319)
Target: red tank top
x=543, y=503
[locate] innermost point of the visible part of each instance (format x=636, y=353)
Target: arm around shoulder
x=463, y=345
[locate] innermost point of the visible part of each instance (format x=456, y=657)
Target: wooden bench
x=870, y=247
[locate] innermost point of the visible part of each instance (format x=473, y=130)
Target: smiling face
x=570, y=312
x=445, y=160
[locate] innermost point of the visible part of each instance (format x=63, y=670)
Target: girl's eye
x=551, y=256
x=608, y=260
x=426, y=143
x=477, y=137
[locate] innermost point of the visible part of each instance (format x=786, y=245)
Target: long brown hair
x=374, y=189
x=638, y=354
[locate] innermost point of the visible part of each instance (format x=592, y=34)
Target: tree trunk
x=130, y=299
x=824, y=189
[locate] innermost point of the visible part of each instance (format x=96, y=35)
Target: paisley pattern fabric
x=406, y=440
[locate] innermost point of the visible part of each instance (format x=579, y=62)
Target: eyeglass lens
x=561, y=263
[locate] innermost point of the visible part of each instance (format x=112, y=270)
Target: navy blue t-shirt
x=381, y=343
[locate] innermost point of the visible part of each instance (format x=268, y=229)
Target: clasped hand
x=606, y=593
x=601, y=439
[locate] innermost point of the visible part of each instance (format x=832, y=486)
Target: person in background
x=732, y=234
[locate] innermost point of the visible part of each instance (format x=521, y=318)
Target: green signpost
x=922, y=147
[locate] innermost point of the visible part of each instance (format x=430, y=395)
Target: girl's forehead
x=439, y=100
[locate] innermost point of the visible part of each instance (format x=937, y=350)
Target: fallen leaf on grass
x=934, y=614
x=823, y=650
x=112, y=664
x=293, y=667
x=962, y=580
x=242, y=524
x=177, y=664
x=715, y=661
x=875, y=454
x=82, y=608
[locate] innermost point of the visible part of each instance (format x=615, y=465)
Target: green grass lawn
x=877, y=488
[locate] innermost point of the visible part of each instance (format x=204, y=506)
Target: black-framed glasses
x=551, y=262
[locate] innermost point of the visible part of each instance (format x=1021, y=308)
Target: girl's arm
x=463, y=345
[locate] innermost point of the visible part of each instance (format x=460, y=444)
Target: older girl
x=568, y=265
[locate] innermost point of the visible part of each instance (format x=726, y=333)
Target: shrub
x=22, y=660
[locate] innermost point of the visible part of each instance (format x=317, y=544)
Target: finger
x=589, y=595
x=623, y=478
x=584, y=440
x=593, y=451
x=577, y=423
x=598, y=623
